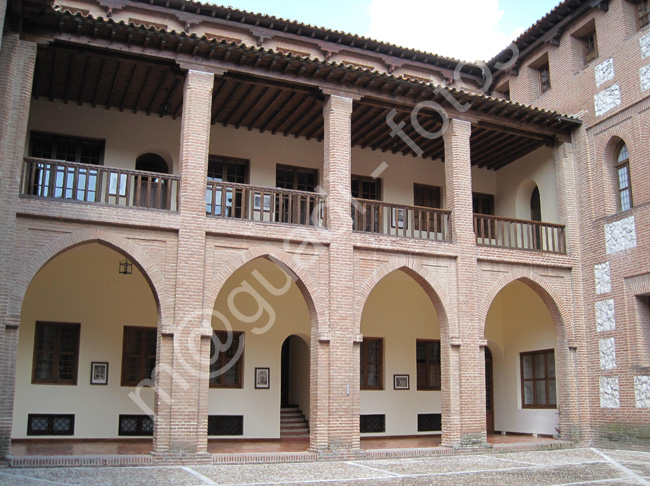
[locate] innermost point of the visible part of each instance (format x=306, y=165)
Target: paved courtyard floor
x=558, y=467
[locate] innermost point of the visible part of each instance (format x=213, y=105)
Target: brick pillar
x=343, y=413
x=571, y=356
x=464, y=397
x=182, y=408
x=17, y=59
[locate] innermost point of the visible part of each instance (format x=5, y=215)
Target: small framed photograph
x=398, y=218
x=262, y=378
x=98, y=373
x=401, y=382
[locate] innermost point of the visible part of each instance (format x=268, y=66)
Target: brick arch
x=607, y=151
x=136, y=254
x=304, y=281
x=434, y=289
x=550, y=295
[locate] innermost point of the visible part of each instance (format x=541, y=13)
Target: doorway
x=489, y=392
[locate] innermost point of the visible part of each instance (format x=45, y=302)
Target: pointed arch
x=286, y=262
x=550, y=295
x=433, y=288
x=136, y=254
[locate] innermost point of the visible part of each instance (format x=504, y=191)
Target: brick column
x=17, y=59
x=464, y=397
x=343, y=416
x=571, y=354
x=182, y=408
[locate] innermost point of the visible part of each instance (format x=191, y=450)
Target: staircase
x=293, y=423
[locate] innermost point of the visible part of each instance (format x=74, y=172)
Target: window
x=226, y=363
x=69, y=149
x=294, y=208
x=49, y=424
x=544, y=78
x=151, y=192
x=219, y=200
x=589, y=47
x=64, y=181
x=138, y=425
x=426, y=197
x=225, y=425
x=538, y=379
x=483, y=203
x=428, y=365
x=138, y=354
x=366, y=216
x=643, y=13
x=56, y=353
x=623, y=178
x=372, y=364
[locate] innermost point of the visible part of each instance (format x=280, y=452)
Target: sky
x=470, y=30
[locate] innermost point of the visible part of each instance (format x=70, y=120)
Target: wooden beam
x=115, y=78
x=128, y=85
x=263, y=111
x=155, y=93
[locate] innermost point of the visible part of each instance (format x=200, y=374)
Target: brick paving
x=562, y=467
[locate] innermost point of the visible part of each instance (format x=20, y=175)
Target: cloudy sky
x=465, y=29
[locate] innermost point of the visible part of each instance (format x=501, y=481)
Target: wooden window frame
x=417, y=368
x=296, y=170
x=534, y=379
x=363, y=364
x=642, y=14
x=623, y=165
x=228, y=160
x=57, y=138
x=223, y=360
x=56, y=353
x=142, y=375
x=589, y=47
x=359, y=181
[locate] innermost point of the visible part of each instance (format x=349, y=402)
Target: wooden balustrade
x=57, y=179
x=400, y=220
x=254, y=203
x=519, y=234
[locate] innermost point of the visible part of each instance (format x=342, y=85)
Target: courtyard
x=557, y=467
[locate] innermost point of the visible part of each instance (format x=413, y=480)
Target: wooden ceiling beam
x=512, y=157
x=128, y=86
x=370, y=127
x=144, y=85
x=99, y=81
x=499, y=153
x=113, y=84
x=285, y=101
x=224, y=97
x=156, y=91
x=263, y=111
x=234, y=102
x=297, y=114
x=315, y=117
x=248, y=111
x=288, y=112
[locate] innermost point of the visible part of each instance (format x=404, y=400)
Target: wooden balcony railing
x=400, y=220
x=519, y=234
x=70, y=181
x=254, y=203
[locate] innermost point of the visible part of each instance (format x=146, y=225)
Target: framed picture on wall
x=98, y=373
x=401, y=382
x=262, y=378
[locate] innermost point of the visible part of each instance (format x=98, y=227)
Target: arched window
x=151, y=191
x=623, y=178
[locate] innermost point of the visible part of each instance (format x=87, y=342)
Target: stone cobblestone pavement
x=561, y=467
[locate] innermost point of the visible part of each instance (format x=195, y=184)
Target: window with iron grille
x=56, y=353
x=623, y=179
x=429, y=422
x=538, y=379
x=372, y=364
x=138, y=354
x=372, y=424
x=225, y=425
x=135, y=425
x=642, y=13
x=428, y=364
x=226, y=359
x=50, y=424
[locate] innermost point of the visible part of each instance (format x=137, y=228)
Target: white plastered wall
x=399, y=311
x=83, y=286
x=289, y=315
x=518, y=321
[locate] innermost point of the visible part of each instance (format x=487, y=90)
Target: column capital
x=458, y=128
x=201, y=68
x=341, y=93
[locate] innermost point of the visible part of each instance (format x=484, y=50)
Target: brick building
x=212, y=217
